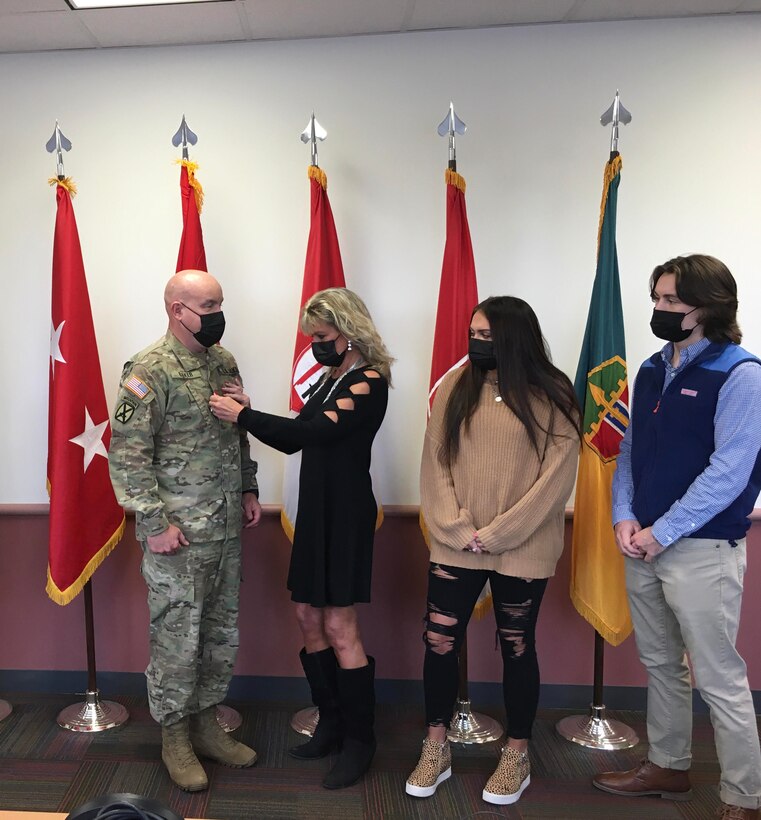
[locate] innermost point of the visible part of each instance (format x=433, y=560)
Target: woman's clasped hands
x=475, y=545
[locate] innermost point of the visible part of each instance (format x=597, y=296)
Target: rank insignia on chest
x=124, y=411
x=136, y=386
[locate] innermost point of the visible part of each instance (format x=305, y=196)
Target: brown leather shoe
x=647, y=778
x=730, y=812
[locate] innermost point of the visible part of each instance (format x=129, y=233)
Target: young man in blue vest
x=688, y=475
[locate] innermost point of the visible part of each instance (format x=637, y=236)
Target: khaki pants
x=689, y=599
x=193, y=604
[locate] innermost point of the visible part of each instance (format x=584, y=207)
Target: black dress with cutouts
x=331, y=561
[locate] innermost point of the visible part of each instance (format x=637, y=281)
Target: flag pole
x=94, y=715
x=596, y=730
x=305, y=721
x=193, y=255
x=467, y=726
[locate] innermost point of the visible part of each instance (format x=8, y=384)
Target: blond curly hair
x=345, y=311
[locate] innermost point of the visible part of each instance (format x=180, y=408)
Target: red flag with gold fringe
x=458, y=291
x=86, y=523
x=458, y=295
x=192, y=255
x=322, y=269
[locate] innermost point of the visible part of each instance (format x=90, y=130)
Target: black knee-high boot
x=320, y=670
x=356, y=695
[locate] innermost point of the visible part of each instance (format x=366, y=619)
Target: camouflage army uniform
x=173, y=462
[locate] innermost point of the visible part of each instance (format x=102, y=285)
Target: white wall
x=533, y=160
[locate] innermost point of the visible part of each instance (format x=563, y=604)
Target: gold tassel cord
x=314, y=172
x=67, y=183
x=192, y=167
x=453, y=178
x=612, y=168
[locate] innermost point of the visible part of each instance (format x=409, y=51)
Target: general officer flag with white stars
x=86, y=523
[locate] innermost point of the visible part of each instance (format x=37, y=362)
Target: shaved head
x=191, y=285
x=188, y=295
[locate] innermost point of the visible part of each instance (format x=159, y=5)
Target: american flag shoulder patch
x=136, y=386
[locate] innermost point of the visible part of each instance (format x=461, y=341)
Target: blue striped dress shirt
x=737, y=438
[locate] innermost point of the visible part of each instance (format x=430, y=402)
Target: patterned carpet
x=44, y=768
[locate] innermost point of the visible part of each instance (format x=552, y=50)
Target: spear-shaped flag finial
x=613, y=116
x=184, y=136
x=59, y=144
x=313, y=132
x=449, y=126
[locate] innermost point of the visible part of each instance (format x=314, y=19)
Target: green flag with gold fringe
x=598, y=589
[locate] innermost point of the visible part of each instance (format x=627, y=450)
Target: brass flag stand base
x=228, y=718
x=305, y=720
x=94, y=715
x=595, y=730
x=468, y=726
x=472, y=727
x=5, y=709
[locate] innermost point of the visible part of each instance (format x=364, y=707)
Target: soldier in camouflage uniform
x=186, y=476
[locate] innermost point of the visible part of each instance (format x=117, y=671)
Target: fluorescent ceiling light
x=110, y=4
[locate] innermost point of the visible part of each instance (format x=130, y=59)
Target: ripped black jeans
x=452, y=595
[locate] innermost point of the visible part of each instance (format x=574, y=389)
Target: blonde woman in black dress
x=331, y=562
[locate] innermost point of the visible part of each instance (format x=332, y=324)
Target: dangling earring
x=348, y=344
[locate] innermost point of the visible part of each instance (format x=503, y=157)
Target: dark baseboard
x=294, y=690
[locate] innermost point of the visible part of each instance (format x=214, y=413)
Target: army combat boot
x=209, y=739
x=179, y=758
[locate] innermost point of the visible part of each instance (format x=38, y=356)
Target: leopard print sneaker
x=434, y=767
x=511, y=777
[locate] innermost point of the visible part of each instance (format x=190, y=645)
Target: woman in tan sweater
x=499, y=462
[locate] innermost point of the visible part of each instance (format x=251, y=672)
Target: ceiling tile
x=433, y=14
x=42, y=32
x=13, y=6
x=279, y=19
x=631, y=9
x=164, y=25
x=29, y=25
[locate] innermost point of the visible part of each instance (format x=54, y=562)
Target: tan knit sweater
x=498, y=487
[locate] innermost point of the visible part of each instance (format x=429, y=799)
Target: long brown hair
x=524, y=371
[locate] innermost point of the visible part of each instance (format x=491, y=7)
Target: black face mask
x=667, y=325
x=326, y=353
x=481, y=354
x=212, y=327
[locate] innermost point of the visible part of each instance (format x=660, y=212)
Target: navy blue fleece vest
x=673, y=438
